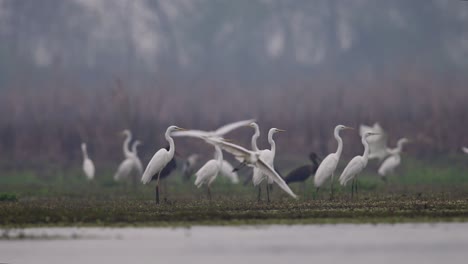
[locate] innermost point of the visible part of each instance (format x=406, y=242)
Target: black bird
x=302, y=173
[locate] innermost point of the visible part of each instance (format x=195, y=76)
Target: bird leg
x=331, y=187
x=157, y=188
x=304, y=189
x=268, y=191
x=352, y=189
x=242, y=165
x=355, y=186
x=316, y=193
x=259, y=194
x=209, y=192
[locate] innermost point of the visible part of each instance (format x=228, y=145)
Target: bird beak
x=181, y=129
x=350, y=128
x=280, y=130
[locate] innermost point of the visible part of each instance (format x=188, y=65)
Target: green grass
x=419, y=192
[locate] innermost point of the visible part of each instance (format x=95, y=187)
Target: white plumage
x=377, y=144
x=358, y=163
x=464, y=149
x=394, y=159
x=267, y=155
x=328, y=165
x=227, y=171
x=208, y=172
x=217, y=133
x=252, y=159
x=160, y=158
x=88, y=165
x=131, y=165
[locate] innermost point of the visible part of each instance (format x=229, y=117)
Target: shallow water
x=347, y=243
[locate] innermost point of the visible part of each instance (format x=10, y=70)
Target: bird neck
x=399, y=147
x=219, y=155
x=366, y=149
x=171, y=143
x=272, y=143
x=254, y=138
x=340, y=142
x=126, y=144
x=85, y=153
x=134, y=149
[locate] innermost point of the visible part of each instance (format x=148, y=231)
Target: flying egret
x=88, y=165
x=328, y=165
x=394, y=160
x=357, y=164
x=208, y=172
x=160, y=160
x=252, y=158
x=188, y=167
x=220, y=132
x=267, y=155
x=377, y=144
x=465, y=149
x=130, y=166
x=302, y=173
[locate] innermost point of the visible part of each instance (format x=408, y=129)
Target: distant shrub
x=8, y=197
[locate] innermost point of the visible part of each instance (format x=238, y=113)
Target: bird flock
x=261, y=161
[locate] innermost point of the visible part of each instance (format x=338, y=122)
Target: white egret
x=357, y=164
x=389, y=164
x=126, y=144
x=208, y=172
x=377, y=144
x=188, y=167
x=220, y=132
x=88, y=165
x=465, y=149
x=328, y=165
x=130, y=166
x=252, y=158
x=267, y=155
x=227, y=171
x=160, y=160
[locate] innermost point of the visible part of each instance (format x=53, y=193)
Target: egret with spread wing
x=377, y=144
x=357, y=164
x=160, y=160
x=88, y=165
x=252, y=158
x=328, y=165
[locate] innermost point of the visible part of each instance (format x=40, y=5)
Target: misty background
x=83, y=70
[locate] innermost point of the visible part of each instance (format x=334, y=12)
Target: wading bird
x=88, y=165
x=465, y=150
x=328, y=165
x=393, y=161
x=267, y=155
x=301, y=174
x=357, y=164
x=131, y=166
x=126, y=144
x=160, y=160
x=251, y=158
x=208, y=172
x=188, y=167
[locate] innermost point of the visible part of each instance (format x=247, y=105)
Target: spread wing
x=272, y=174
x=378, y=143
x=232, y=126
x=236, y=150
x=191, y=133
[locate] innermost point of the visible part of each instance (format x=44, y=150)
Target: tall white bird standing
x=357, y=164
x=131, y=166
x=88, y=165
x=267, y=155
x=208, y=172
x=465, y=149
x=160, y=160
x=252, y=158
x=328, y=166
x=389, y=165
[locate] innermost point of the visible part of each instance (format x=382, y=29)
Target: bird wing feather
x=465, y=150
x=206, y=172
x=355, y=166
x=389, y=164
x=125, y=169
x=325, y=169
x=190, y=133
x=156, y=164
x=232, y=126
x=226, y=170
x=271, y=173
